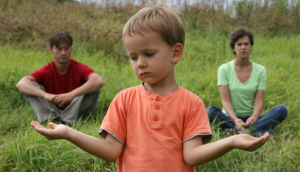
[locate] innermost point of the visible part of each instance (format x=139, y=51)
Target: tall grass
x=23, y=149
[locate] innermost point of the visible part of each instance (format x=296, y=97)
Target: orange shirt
x=154, y=127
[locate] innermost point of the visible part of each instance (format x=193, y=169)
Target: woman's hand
x=238, y=122
x=250, y=121
x=57, y=132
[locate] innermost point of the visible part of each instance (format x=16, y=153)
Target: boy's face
x=152, y=59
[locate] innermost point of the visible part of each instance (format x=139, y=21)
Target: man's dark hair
x=239, y=33
x=57, y=37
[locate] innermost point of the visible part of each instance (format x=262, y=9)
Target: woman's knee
x=212, y=112
x=282, y=110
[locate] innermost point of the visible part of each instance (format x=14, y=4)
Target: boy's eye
x=133, y=58
x=149, y=54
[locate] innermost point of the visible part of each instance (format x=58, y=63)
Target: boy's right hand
x=57, y=132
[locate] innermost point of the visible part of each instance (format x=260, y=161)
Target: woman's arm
x=258, y=106
x=226, y=102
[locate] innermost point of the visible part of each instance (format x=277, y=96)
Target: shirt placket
x=156, y=117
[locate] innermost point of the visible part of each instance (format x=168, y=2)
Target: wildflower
x=240, y=127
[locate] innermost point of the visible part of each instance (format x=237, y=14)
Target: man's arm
x=109, y=149
x=258, y=106
x=93, y=83
x=194, y=153
x=226, y=102
x=26, y=86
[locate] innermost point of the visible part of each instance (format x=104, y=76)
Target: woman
x=242, y=85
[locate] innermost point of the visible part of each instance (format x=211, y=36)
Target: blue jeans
x=265, y=123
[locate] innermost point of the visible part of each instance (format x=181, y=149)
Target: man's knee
x=93, y=94
x=36, y=84
x=29, y=97
x=88, y=102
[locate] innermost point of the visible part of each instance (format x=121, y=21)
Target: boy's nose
x=141, y=63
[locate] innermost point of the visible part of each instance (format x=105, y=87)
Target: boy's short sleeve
x=222, y=75
x=197, y=123
x=115, y=120
x=262, y=80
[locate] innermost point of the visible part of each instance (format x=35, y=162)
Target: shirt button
x=157, y=99
x=157, y=107
x=155, y=118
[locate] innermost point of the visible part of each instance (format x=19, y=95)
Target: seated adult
x=70, y=87
x=242, y=85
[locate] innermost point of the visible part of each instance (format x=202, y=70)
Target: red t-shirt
x=56, y=83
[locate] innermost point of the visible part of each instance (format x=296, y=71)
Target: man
x=70, y=87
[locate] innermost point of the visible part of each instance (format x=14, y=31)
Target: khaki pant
x=45, y=110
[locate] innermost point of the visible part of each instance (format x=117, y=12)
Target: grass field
x=23, y=149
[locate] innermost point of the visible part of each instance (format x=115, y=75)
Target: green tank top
x=242, y=95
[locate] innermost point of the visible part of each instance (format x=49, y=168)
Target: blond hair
x=160, y=19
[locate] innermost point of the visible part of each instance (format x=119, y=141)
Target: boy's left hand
x=247, y=142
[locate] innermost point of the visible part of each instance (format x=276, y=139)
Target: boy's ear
x=177, y=52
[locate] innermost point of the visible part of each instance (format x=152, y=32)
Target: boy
x=156, y=126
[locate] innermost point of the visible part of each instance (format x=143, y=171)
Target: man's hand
x=49, y=97
x=61, y=99
x=247, y=142
x=250, y=121
x=57, y=132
